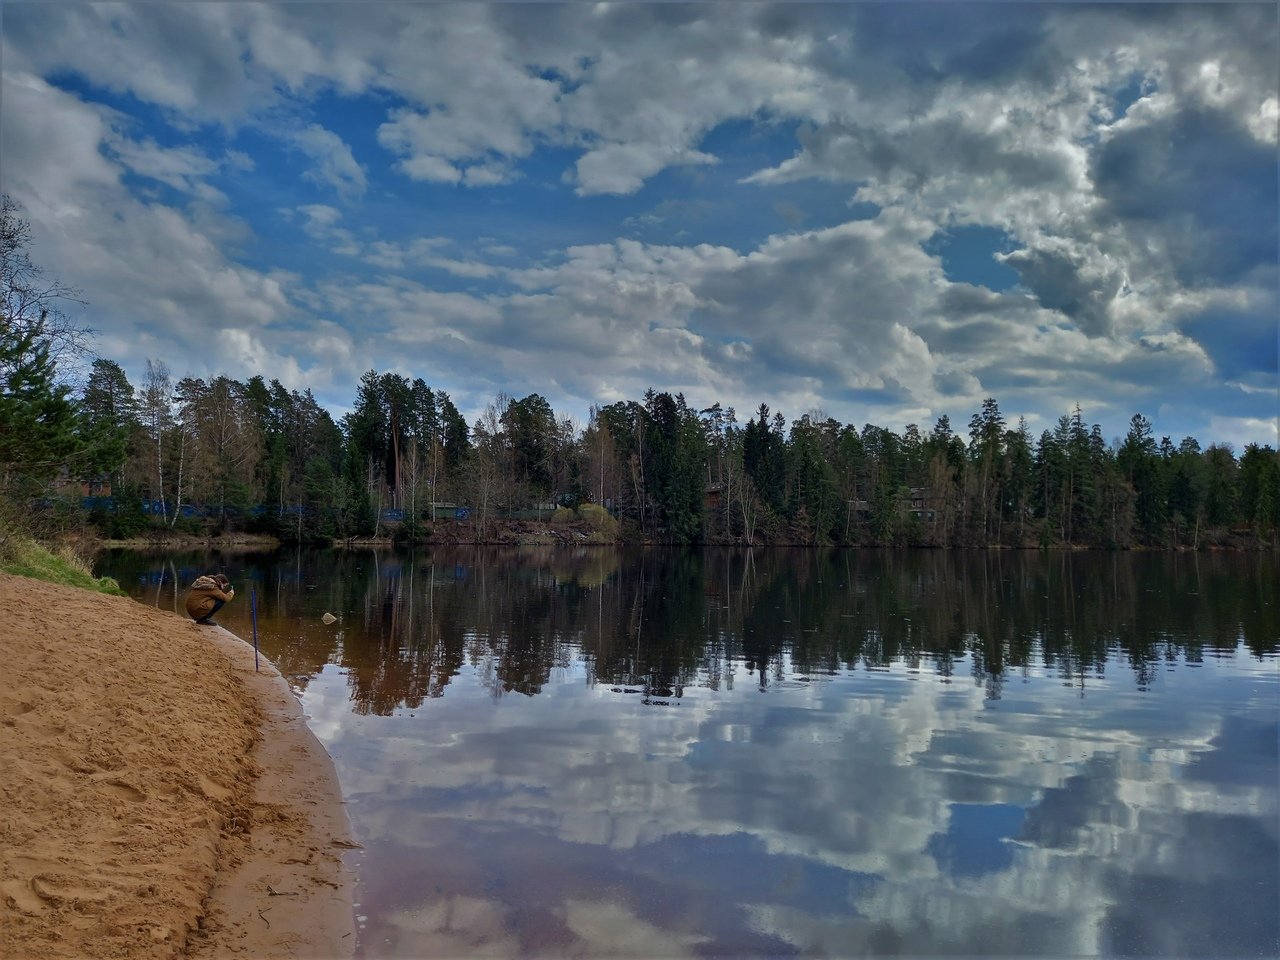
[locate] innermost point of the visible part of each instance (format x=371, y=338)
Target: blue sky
x=882, y=212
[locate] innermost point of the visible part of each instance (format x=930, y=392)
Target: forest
x=218, y=454
x=255, y=455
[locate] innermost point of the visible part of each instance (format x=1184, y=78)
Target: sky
x=882, y=213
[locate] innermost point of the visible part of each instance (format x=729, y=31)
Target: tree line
x=255, y=455
x=669, y=472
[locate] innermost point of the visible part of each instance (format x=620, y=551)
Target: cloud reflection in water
x=881, y=815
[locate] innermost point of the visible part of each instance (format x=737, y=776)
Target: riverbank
x=160, y=798
x=177, y=540
x=579, y=532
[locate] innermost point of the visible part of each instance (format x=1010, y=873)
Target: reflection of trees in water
x=655, y=622
x=514, y=616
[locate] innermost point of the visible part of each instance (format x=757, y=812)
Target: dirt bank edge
x=287, y=891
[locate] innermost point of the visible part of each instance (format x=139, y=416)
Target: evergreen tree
x=764, y=459
x=1017, y=479
x=37, y=416
x=1083, y=472
x=674, y=461
x=1221, y=497
x=1186, y=482
x=1138, y=462
x=531, y=424
x=454, y=434
x=1260, y=490
x=1050, y=482
x=946, y=459
x=38, y=428
x=108, y=417
x=986, y=452
x=813, y=507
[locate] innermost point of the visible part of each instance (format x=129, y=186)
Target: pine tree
x=37, y=415
x=1260, y=490
x=108, y=416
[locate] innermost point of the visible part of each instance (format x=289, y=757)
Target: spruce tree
x=37, y=415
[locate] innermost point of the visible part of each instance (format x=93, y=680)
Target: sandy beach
x=159, y=798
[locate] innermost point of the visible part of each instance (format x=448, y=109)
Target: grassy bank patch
x=63, y=565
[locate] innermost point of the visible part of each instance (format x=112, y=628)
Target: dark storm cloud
x=1200, y=185
x=939, y=41
x=1058, y=279
x=1239, y=343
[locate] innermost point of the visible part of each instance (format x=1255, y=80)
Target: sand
x=158, y=798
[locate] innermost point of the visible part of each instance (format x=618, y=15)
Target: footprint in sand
x=35, y=896
x=19, y=896
x=57, y=891
x=76, y=764
x=213, y=790
x=118, y=788
x=124, y=791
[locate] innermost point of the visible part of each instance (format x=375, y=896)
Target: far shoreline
x=261, y=543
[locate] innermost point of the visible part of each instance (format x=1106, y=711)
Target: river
x=662, y=753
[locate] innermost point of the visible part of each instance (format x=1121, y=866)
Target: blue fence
x=157, y=508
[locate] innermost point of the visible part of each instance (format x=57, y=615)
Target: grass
x=27, y=558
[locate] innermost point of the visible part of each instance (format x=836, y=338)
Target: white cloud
x=40, y=122
x=182, y=168
x=624, y=167
x=1265, y=122
x=321, y=225
x=188, y=59
x=1242, y=431
x=420, y=167
x=334, y=164
x=396, y=256
x=146, y=268
x=1011, y=124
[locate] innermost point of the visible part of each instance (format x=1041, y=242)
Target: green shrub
x=604, y=526
x=412, y=530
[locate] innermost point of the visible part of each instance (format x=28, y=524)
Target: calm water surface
x=660, y=754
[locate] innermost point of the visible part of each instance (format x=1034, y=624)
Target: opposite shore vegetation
x=222, y=456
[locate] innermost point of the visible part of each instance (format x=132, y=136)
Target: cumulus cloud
x=624, y=167
x=159, y=284
x=1064, y=276
x=1242, y=431
x=191, y=61
x=1128, y=155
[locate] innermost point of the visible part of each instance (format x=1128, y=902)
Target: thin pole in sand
x=253, y=608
